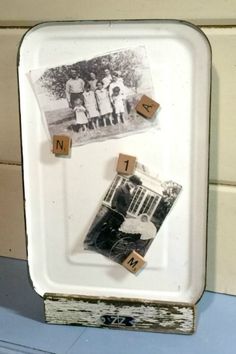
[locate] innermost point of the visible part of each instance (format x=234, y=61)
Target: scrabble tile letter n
x=61, y=144
x=147, y=107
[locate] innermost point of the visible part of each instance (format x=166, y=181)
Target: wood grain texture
x=212, y=12
x=126, y=164
x=134, y=262
x=61, y=145
x=147, y=107
x=142, y=315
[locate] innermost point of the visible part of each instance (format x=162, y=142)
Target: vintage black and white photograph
x=95, y=99
x=131, y=215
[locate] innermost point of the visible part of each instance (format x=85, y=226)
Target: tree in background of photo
x=128, y=63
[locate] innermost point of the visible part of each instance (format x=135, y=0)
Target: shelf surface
x=22, y=327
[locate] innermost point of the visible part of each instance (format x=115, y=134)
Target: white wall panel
x=29, y=12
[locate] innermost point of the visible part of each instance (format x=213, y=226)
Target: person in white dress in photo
x=117, y=81
x=118, y=103
x=104, y=103
x=80, y=114
x=91, y=106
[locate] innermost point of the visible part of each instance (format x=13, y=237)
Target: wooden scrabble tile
x=126, y=164
x=61, y=144
x=134, y=262
x=147, y=107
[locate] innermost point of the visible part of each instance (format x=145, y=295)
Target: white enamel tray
x=62, y=194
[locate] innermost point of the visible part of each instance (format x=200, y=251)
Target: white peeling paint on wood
x=149, y=316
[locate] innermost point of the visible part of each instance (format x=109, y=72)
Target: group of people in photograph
x=96, y=103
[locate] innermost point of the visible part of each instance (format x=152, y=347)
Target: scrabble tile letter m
x=134, y=262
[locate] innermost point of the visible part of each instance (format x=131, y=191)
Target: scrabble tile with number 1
x=126, y=164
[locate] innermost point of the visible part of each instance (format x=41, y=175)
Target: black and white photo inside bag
x=95, y=99
x=131, y=215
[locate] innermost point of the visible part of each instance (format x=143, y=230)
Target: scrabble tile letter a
x=147, y=107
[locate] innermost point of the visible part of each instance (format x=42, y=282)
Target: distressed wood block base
x=143, y=315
